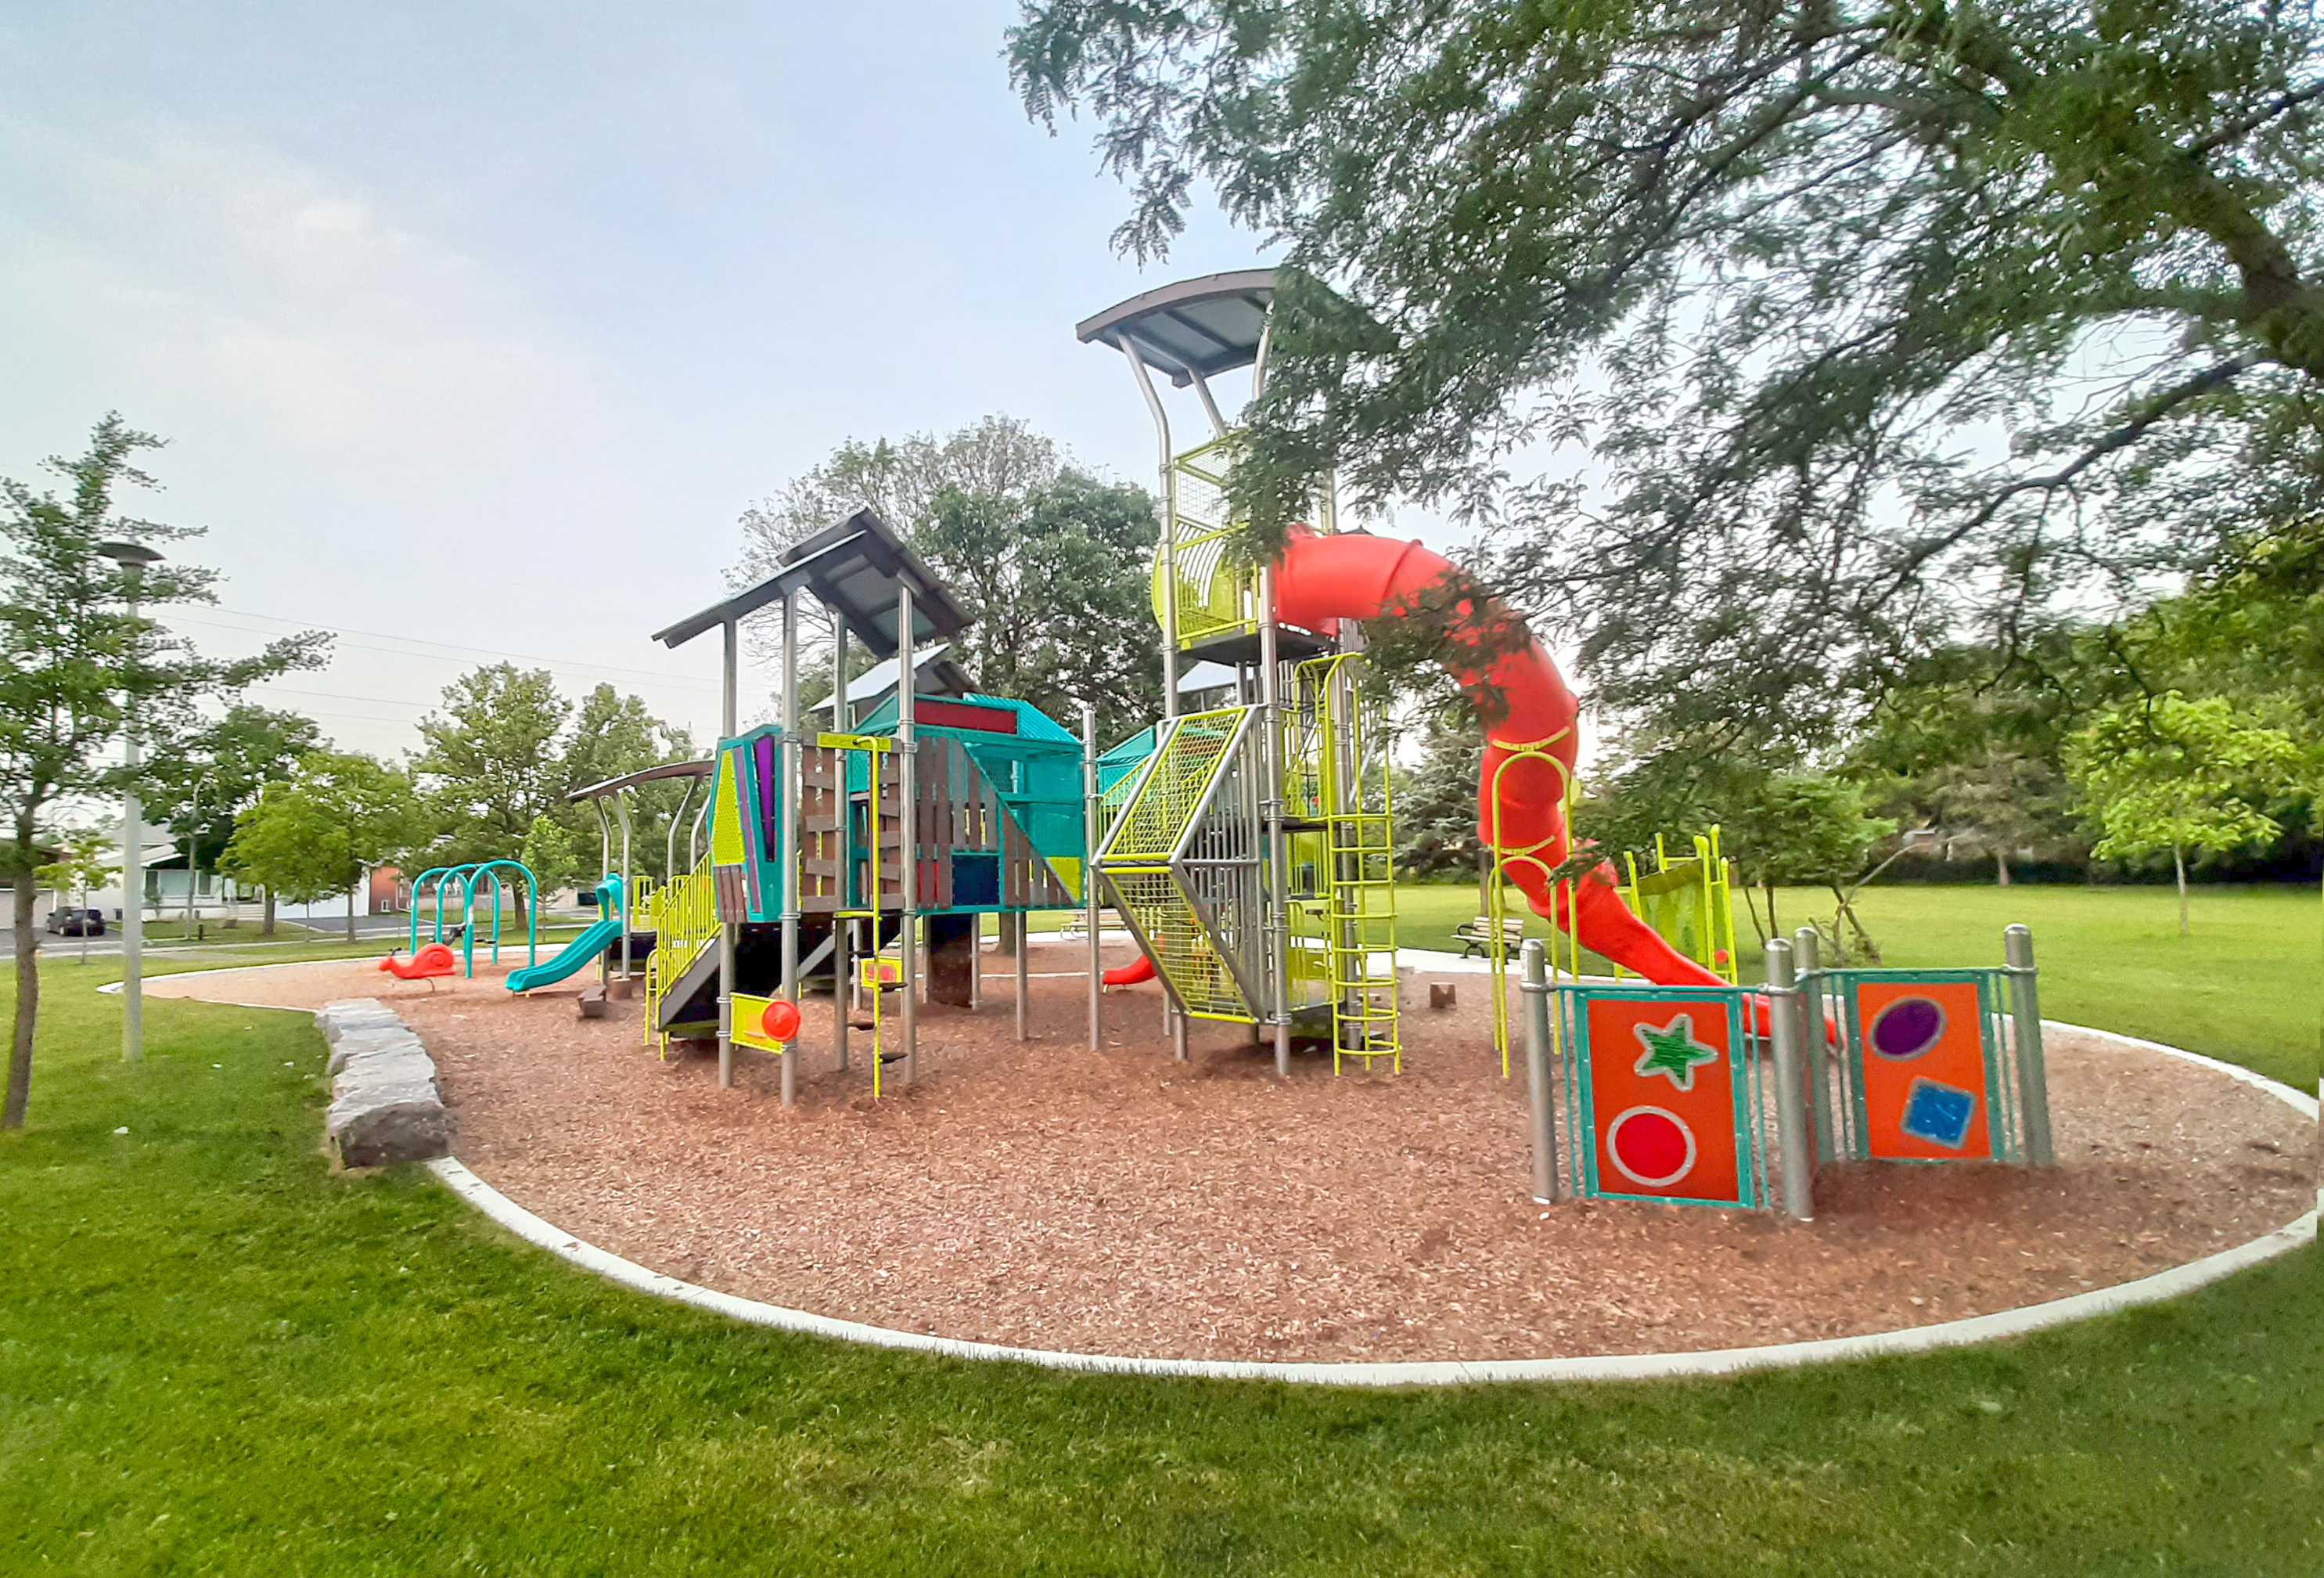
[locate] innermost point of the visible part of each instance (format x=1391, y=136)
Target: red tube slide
x=1508, y=675
x=1140, y=968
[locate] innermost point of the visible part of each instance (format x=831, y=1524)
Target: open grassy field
x=2248, y=984
x=216, y=1357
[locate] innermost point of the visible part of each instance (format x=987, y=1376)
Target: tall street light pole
x=132, y=558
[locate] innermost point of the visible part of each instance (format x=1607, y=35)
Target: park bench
x=1477, y=936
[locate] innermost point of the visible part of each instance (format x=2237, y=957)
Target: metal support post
x=2032, y=1071
x=1794, y=1143
x=1092, y=813
x=193, y=865
x=842, y=962
x=907, y=787
x=132, y=908
x=1024, y=978
x=1540, y=1099
x=1278, y=856
x=792, y=827
x=727, y=931
x=1168, y=499
x=1807, y=954
x=629, y=891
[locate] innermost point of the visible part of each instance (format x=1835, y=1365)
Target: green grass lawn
x=215, y=1357
x=2248, y=984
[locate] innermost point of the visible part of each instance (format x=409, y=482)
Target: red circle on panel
x=1651, y=1146
x=780, y=1021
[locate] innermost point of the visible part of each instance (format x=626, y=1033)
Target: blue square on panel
x=1939, y=1114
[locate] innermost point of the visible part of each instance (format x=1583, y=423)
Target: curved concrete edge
x=2014, y=1323
x=2297, y=1100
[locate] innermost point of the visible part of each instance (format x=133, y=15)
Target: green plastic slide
x=581, y=951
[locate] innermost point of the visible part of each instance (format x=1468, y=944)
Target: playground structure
x=886, y=839
x=1248, y=847
x=1252, y=853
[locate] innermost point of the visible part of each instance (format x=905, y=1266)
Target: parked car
x=77, y=922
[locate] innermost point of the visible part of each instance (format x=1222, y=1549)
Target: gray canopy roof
x=1205, y=326
x=854, y=569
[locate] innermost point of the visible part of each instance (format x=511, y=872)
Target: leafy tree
x=1800, y=827
x=1437, y=801
x=1059, y=579
x=80, y=860
x=614, y=734
x=75, y=668
x=996, y=457
x=1791, y=274
x=1055, y=563
x=1972, y=740
x=217, y=776
x=551, y=855
x=318, y=832
x=491, y=764
x=2179, y=775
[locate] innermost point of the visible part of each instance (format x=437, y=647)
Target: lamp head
x=129, y=554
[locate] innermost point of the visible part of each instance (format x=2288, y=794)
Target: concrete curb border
x=1976, y=1329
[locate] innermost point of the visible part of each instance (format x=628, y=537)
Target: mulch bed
x=1041, y=1195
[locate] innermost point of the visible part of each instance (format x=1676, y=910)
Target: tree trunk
x=1775, y=927
x=28, y=998
x=2001, y=864
x=2179, y=862
x=266, y=925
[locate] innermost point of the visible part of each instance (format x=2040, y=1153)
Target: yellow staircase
x=683, y=914
x=1183, y=858
x=1337, y=771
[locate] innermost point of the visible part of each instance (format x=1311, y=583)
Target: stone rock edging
x=385, y=1105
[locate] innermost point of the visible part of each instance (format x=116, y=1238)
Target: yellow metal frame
x=1338, y=775
x=1135, y=861
x=684, y=915
x=1659, y=896
x=880, y=973
x=1564, y=961
x=1217, y=595
x=1154, y=822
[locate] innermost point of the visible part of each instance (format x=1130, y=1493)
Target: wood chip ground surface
x=1042, y=1195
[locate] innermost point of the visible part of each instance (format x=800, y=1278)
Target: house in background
x=387, y=893
x=215, y=894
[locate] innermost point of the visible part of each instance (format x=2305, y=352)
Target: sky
x=474, y=328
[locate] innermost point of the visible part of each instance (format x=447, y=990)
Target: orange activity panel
x=1664, y=1100
x=1924, y=1070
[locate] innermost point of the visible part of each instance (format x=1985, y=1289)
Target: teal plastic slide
x=581, y=952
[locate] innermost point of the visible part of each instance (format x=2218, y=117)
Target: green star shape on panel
x=1673, y=1051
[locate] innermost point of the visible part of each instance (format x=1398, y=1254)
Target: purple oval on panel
x=1906, y=1027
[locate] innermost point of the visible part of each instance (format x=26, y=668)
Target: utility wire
x=407, y=643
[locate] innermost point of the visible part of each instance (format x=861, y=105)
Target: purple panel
x=762, y=759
